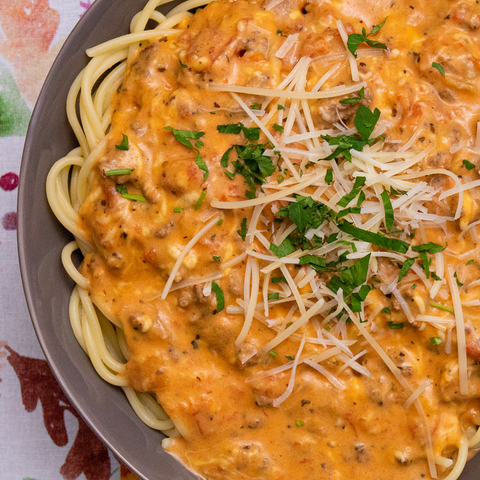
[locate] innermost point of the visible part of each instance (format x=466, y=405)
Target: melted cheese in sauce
x=181, y=348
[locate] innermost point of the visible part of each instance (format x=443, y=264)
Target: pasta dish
x=277, y=203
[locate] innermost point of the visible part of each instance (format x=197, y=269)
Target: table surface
x=42, y=438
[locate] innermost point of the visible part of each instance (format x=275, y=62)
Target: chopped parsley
x=184, y=136
x=375, y=238
x=273, y=354
x=182, y=64
x=243, y=229
x=200, y=200
x=468, y=165
x=458, y=281
x=289, y=357
x=361, y=95
x=387, y=206
x=395, y=326
x=407, y=265
x=220, y=222
x=436, y=340
x=278, y=128
x=355, y=39
x=280, y=107
x=220, y=297
x=357, y=187
x=178, y=209
x=365, y=121
x=435, y=277
x=217, y=259
x=279, y=280
x=299, y=423
x=274, y=296
x=252, y=134
x=124, y=143
x=120, y=171
x=470, y=262
x=441, y=307
x=351, y=277
x=137, y=198
x=256, y=106
x=386, y=310
x=329, y=176
x=439, y=67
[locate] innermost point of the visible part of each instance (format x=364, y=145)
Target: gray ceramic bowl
x=47, y=286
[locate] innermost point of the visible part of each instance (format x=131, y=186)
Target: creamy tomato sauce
x=182, y=348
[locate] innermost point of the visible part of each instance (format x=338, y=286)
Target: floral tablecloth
x=42, y=436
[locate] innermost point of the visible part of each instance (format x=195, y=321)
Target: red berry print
x=9, y=181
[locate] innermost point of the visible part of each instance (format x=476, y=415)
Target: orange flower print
x=28, y=28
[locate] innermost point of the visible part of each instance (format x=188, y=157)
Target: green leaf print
x=14, y=113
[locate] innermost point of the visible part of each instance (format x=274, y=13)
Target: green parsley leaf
x=280, y=32
x=256, y=106
x=121, y=189
x=273, y=354
x=351, y=277
x=137, y=198
x=357, y=187
x=358, y=298
x=429, y=247
x=280, y=179
x=436, y=340
x=124, y=144
x=386, y=310
x=435, y=277
x=183, y=136
x=375, y=238
x=182, y=64
x=279, y=280
x=224, y=160
x=252, y=134
x=361, y=198
x=441, y=307
x=243, y=229
x=305, y=213
x=280, y=107
x=201, y=165
x=395, y=326
x=284, y=249
x=120, y=171
x=274, y=296
x=329, y=176
x=289, y=357
x=348, y=211
x=439, y=67
x=200, y=200
x=355, y=39
x=220, y=222
x=361, y=94
x=387, y=206
x=278, y=128
x=365, y=121
x=414, y=286
x=394, y=191
x=217, y=259
x=468, y=165
x=407, y=265
x=470, y=262
x=178, y=209
x=457, y=280
x=220, y=297
x=299, y=423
